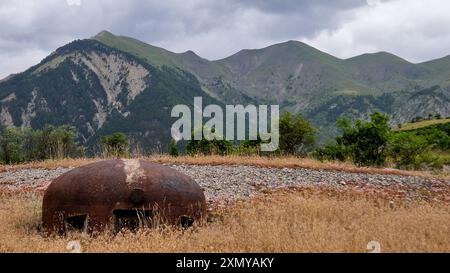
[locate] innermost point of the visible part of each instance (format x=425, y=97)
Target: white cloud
x=373, y=2
x=74, y=2
x=413, y=29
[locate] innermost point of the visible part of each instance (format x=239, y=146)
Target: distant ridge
x=112, y=83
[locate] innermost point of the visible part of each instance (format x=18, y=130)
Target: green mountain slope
x=385, y=72
x=440, y=69
x=115, y=83
x=290, y=71
x=154, y=55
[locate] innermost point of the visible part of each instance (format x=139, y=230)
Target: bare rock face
x=114, y=71
x=119, y=78
x=119, y=194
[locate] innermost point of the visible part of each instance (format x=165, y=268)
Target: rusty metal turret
x=119, y=194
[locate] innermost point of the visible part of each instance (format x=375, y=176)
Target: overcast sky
x=416, y=30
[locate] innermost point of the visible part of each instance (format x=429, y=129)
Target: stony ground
x=223, y=184
x=29, y=178
x=237, y=182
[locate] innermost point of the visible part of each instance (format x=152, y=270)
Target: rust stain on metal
x=116, y=194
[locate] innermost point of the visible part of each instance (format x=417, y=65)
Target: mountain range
x=111, y=83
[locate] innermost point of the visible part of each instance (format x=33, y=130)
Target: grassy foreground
x=308, y=220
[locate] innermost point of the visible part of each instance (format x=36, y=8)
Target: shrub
x=20, y=145
x=417, y=119
x=173, y=149
x=405, y=149
x=11, y=149
x=57, y=142
x=429, y=160
x=437, y=135
x=209, y=147
x=331, y=152
x=250, y=147
x=296, y=133
x=115, y=145
x=365, y=142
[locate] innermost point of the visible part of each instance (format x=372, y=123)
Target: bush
x=417, y=119
x=405, y=149
x=173, y=149
x=331, y=152
x=296, y=133
x=57, y=142
x=429, y=160
x=423, y=148
x=115, y=145
x=436, y=135
x=250, y=147
x=209, y=147
x=19, y=145
x=12, y=151
x=365, y=143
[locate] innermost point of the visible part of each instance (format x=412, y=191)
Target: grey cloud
x=213, y=29
x=294, y=6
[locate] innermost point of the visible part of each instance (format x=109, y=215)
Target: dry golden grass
x=50, y=164
x=300, y=221
x=421, y=124
x=258, y=161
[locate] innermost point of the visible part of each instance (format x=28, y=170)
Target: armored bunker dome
x=119, y=194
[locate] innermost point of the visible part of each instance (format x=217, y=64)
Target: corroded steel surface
x=99, y=194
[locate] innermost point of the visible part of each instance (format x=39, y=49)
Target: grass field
x=308, y=220
x=421, y=124
x=294, y=220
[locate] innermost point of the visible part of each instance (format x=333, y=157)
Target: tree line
x=373, y=143
x=365, y=143
x=18, y=145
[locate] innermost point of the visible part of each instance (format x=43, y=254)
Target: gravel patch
x=230, y=183
x=237, y=182
x=29, y=177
